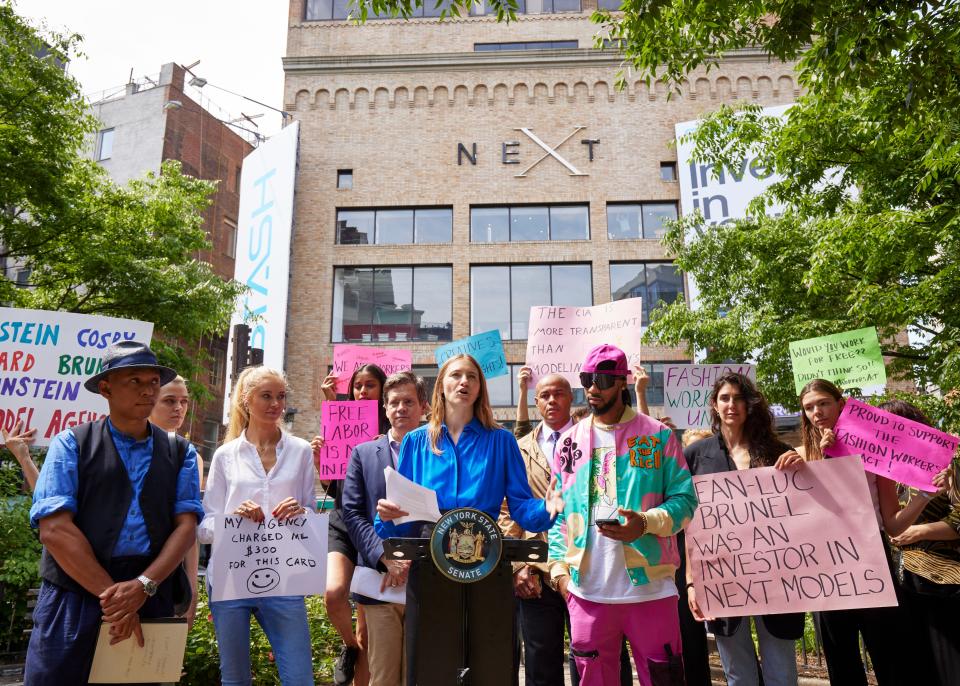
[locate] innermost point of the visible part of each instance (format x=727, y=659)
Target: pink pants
x=600, y=627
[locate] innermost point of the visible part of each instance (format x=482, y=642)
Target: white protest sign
x=271, y=558
x=45, y=356
x=561, y=337
x=686, y=391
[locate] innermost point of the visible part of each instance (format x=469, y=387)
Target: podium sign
x=466, y=545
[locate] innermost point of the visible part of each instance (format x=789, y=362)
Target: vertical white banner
x=264, y=230
x=721, y=197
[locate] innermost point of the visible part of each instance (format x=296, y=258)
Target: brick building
x=141, y=126
x=427, y=208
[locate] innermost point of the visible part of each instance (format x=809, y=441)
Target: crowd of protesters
x=119, y=510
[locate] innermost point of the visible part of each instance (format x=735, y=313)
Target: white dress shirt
x=236, y=474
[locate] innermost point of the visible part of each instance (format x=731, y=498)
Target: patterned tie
x=555, y=438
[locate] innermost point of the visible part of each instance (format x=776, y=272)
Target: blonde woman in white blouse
x=258, y=470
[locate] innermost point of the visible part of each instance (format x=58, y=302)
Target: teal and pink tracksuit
x=651, y=477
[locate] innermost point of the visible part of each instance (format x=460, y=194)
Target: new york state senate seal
x=466, y=545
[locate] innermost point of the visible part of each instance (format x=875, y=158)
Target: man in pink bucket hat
x=613, y=551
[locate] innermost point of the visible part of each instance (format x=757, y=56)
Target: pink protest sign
x=560, y=337
x=344, y=424
x=349, y=358
x=806, y=539
x=892, y=446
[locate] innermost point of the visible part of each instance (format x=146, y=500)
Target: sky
x=239, y=43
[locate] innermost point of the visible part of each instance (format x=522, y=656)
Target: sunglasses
x=601, y=381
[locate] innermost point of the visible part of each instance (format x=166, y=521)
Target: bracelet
x=688, y=586
x=643, y=518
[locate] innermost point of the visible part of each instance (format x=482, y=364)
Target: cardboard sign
x=892, y=446
x=560, y=337
x=687, y=387
x=46, y=356
x=271, y=558
x=486, y=348
x=806, y=539
x=349, y=358
x=343, y=425
x=850, y=359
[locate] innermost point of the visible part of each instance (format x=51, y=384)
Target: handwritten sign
x=349, y=358
x=560, y=337
x=45, y=357
x=486, y=348
x=345, y=424
x=765, y=541
x=269, y=558
x=850, y=359
x=892, y=446
x=687, y=387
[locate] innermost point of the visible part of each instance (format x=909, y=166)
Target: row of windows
x=527, y=45
x=326, y=10
x=400, y=304
x=504, y=224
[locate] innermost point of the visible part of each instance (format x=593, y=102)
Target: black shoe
x=344, y=664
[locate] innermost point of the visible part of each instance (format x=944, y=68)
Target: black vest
x=104, y=493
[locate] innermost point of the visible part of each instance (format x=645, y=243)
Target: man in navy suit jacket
x=405, y=400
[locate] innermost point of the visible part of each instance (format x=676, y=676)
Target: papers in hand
x=418, y=501
x=160, y=658
x=367, y=582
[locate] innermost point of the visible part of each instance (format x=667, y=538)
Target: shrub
x=202, y=660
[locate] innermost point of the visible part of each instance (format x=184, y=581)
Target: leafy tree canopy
x=92, y=246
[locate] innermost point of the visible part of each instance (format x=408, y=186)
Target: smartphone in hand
x=607, y=522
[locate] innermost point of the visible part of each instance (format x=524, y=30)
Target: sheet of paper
x=420, y=502
x=160, y=659
x=367, y=582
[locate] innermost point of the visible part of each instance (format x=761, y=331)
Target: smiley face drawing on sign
x=263, y=580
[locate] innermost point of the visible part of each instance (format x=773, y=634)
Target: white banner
x=686, y=391
x=45, y=356
x=264, y=231
x=270, y=558
x=724, y=197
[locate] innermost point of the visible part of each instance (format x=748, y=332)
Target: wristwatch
x=149, y=585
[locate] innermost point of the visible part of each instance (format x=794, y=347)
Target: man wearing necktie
x=541, y=611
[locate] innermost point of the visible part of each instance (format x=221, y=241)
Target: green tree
x=92, y=246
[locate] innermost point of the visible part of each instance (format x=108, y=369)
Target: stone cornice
x=457, y=61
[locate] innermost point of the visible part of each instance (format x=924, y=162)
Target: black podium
x=460, y=626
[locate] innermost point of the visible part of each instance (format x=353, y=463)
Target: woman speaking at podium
x=469, y=461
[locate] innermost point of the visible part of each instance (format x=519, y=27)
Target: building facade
x=454, y=173
x=147, y=123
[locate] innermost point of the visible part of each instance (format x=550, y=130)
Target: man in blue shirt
x=117, y=504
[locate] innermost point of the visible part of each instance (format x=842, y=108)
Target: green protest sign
x=850, y=359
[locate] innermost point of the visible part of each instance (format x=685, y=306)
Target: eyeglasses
x=602, y=381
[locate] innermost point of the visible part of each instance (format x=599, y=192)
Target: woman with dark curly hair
x=743, y=438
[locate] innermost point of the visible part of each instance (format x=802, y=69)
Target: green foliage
x=94, y=247
x=202, y=661
x=19, y=565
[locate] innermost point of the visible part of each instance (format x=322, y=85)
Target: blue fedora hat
x=128, y=355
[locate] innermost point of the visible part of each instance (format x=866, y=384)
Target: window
x=230, y=238
x=529, y=223
x=392, y=304
x=531, y=7
x=105, y=146
x=611, y=5
x=395, y=226
x=501, y=296
x=345, y=179
x=639, y=220
x=236, y=180
x=527, y=45
x=668, y=171
x=655, y=282
x=23, y=276
x=325, y=10
x=218, y=367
